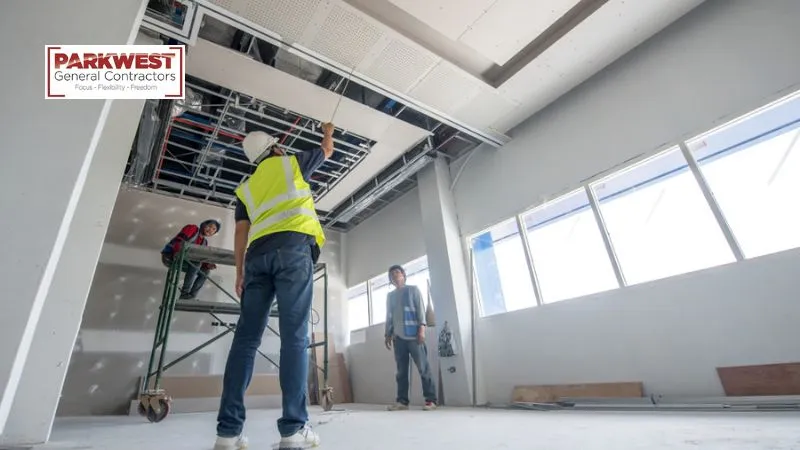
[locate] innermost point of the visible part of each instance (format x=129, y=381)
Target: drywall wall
x=671, y=334
x=721, y=60
x=372, y=367
x=114, y=342
x=39, y=391
x=48, y=148
x=392, y=236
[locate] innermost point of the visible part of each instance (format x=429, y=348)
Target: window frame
x=692, y=164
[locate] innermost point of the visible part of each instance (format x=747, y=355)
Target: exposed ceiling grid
x=346, y=36
x=449, y=17
x=447, y=88
x=509, y=25
x=400, y=65
x=288, y=18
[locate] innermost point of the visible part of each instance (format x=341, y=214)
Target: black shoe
x=186, y=297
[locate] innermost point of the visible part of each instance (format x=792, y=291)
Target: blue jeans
x=193, y=280
x=287, y=274
x=404, y=348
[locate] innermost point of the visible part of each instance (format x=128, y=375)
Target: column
x=449, y=281
x=63, y=162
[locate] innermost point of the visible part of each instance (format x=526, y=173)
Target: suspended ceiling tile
x=484, y=110
x=400, y=65
x=449, y=17
x=288, y=18
x=346, y=36
x=509, y=25
x=446, y=88
x=234, y=6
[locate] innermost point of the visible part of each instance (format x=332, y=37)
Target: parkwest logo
x=115, y=72
x=113, y=60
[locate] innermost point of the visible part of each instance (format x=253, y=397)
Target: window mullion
x=523, y=234
x=601, y=224
x=724, y=226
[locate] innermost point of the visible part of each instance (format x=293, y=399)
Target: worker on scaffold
x=196, y=271
x=277, y=226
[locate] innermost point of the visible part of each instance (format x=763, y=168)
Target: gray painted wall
x=670, y=334
x=116, y=334
x=392, y=236
x=724, y=59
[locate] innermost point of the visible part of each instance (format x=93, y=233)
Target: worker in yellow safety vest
x=278, y=229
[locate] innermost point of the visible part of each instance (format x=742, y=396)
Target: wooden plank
x=554, y=392
x=201, y=386
x=765, y=379
x=340, y=380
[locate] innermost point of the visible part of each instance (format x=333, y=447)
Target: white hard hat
x=256, y=144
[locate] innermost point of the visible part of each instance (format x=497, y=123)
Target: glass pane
x=380, y=291
x=503, y=280
x=659, y=221
x=357, y=307
x=753, y=169
x=567, y=249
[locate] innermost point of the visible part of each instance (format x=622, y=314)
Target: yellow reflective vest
x=278, y=199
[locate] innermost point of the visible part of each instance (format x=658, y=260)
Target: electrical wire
x=346, y=83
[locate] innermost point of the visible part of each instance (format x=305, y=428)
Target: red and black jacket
x=189, y=233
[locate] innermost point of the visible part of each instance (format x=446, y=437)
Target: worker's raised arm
x=327, y=139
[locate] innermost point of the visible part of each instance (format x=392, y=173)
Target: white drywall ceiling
x=452, y=18
x=509, y=25
x=233, y=70
x=496, y=28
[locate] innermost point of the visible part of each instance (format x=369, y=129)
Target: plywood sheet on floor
x=202, y=386
x=765, y=379
x=373, y=428
x=552, y=393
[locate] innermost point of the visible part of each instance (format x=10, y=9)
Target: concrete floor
x=367, y=428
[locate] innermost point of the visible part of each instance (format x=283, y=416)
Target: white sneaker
x=233, y=443
x=398, y=407
x=429, y=406
x=305, y=438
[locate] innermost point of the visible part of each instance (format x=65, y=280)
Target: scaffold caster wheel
x=155, y=407
x=157, y=414
x=327, y=399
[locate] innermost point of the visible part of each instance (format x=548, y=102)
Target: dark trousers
x=287, y=274
x=193, y=280
x=403, y=349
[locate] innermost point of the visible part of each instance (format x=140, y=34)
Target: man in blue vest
x=405, y=331
x=277, y=226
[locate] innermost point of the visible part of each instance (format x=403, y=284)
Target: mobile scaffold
x=155, y=402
